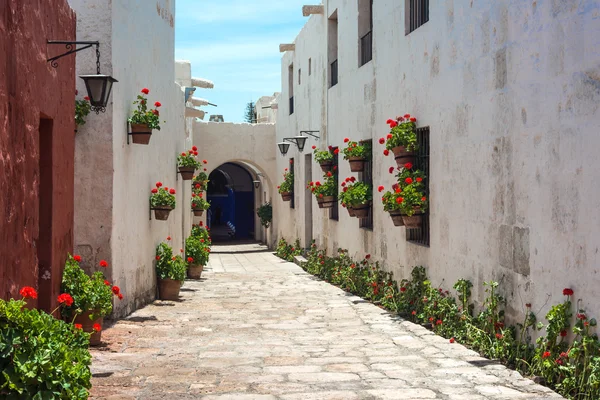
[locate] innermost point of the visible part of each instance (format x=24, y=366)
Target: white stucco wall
x=511, y=95
x=249, y=145
x=142, y=56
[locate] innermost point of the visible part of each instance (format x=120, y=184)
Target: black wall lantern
x=283, y=147
x=98, y=86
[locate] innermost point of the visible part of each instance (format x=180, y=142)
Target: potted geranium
x=144, y=120
x=325, y=192
x=412, y=200
x=187, y=163
x=391, y=204
x=357, y=154
x=358, y=196
x=162, y=201
x=324, y=158
x=196, y=254
x=402, y=139
x=286, y=189
x=200, y=182
x=170, y=271
x=91, y=298
x=199, y=205
x=82, y=110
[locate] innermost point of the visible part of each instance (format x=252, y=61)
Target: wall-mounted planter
x=162, y=213
x=326, y=202
x=402, y=156
x=198, y=213
x=350, y=211
x=286, y=196
x=168, y=289
x=362, y=210
x=327, y=166
x=397, y=218
x=187, y=173
x=195, y=271
x=357, y=164
x=140, y=133
x=414, y=221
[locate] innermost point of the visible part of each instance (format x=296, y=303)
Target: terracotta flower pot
x=195, y=271
x=414, y=221
x=402, y=156
x=326, y=202
x=362, y=211
x=327, y=166
x=397, y=218
x=357, y=164
x=162, y=213
x=140, y=133
x=351, y=211
x=168, y=289
x=187, y=173
x=286, y=196
x=198, y=213
x=88, y=326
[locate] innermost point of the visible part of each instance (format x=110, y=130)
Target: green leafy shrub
x=265, y=213
x=41, y=357
x=169, y=266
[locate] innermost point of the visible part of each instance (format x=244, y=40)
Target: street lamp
x=256, y=184
x=283, y=148
x=98, y=86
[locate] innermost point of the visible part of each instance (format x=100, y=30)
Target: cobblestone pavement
x=256, y=327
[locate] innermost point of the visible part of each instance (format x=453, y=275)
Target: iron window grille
x=334, y=73
x=421, y=235
x=367, y=177
x=366, y=48
x=291, y=105
x=418, y=14
x=334, y=212
x=293, y=201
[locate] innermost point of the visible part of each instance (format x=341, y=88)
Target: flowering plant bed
x=325, y=192
x=565, y=357
x=170, y=271
x=356, y=196
x=199, y=204
x=287, y=251
x=144, y=120
x=187, y=163
x=356, y=154
x=41, y=356
x=325, y=158
x=402, y=139
x=286, y=189
x=162, y=201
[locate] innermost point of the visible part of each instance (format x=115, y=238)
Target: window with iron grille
x=291, y=87
x=417, y=14
x=293, y=202
x=421, y=235
x=367, y=177
x=334, y=212
x=334, y=73
x=365, y=30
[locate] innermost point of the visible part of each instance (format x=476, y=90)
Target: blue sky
x=235, y=44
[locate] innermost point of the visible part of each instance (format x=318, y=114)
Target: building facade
x=36, y=147
x=507, y=101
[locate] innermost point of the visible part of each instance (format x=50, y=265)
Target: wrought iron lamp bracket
x=311, y=133
x=72, y=48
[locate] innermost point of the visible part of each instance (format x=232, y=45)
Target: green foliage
x=41, y=357
x=196, y=250
x=403, y=132
x=198, y=202
x=409, y=192
x=286, y=251
x=572, y=369
x=354, y=149
x=265, y=213
x=145, y=116
x=169, y=266
x=356, y=194
x=287, y=186
x=188, y=160
x=322, y=157
x=201, y=232
x=200, y=182
x=161, y=197
x=89, y=293
x=82, y=110
x=327, y=188
x=250, y=116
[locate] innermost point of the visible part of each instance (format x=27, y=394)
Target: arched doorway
x=232, y=198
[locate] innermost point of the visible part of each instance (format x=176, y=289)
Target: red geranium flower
x=168, y=237
x=103, y=263
x=65, y=299
x=438, y=322
x=345, y=189
x=145, y=91
x=546, y=354
x=86, y=98
x=403, y=289
x=568, y=292
x=423, y=198
x=172, y=191
x=393, y=124
x=107, y=283
x=343, y=184
x=413, y=119
x=399, y=200
x=158, y=184
x=389, y=121
x=346, y=140
x=314, y=147
x=452, y=340
x=353, y=178
x=97, y=328
x=116, y=290
x=419, y=179
x=120, y=296
x=157, y=258
x=157, y=104
x=499, y=336
x=28, y=292
x=195, y=153
x=398, y=190
x=77, y=258
x=408, y=180
x=336, y=151
x=204, y=162
x=563, y=333
x=391, y=170
x=78, y=326
x=380, y=189
x=155, y=112
x=190, y=259
x=329, y=174
x=408, y=165
x=155, y=190
x=407, y=116
x=389, y=136
x=414, y=312
x=386, y=152
x=367, y=256
x=194, y=148
x=381, y=140
x=201, y=223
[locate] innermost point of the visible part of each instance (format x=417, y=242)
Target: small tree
x=250, y=116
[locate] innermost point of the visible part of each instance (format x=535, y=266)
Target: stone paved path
x=260, y=328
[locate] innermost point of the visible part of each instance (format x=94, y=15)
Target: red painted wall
x=36, y=146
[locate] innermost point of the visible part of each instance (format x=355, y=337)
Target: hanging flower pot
x=286, y=189
x=187, y=173
x=357, y=164
x=362, y=210
x=140, y=133
x=325, y=158
x=327, y=166
x=351, y=211
x=286, y=196
x=168, y=289
x=198, y=213
x=402, y=139
x=162, y=201
x=162, y=213
x=413, y=221
x=88, y=325
x=326, y=202
x=187, y=163
x=397, y=218
x=356, y=154
x=198, y=203
x=403, y=156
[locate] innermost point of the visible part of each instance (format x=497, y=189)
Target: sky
x=235, y=44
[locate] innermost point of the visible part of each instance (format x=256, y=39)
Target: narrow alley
x=256, y=327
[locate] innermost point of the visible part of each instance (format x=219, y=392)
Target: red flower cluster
x=116, y=290
x=107, y=283
x=28, y=292
x=386, y=152
x=145, y=90
x=381, y=140
x=568, y=292
x=65, y=299
x=97, y=328
x=172, y=191
x=546, y=354
x=158, y=184
x=78, y=326
x=190, y=259
x=157, y=104
x=380, y=188
x=346, y=140
x=103, y=263
x=77, y=258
